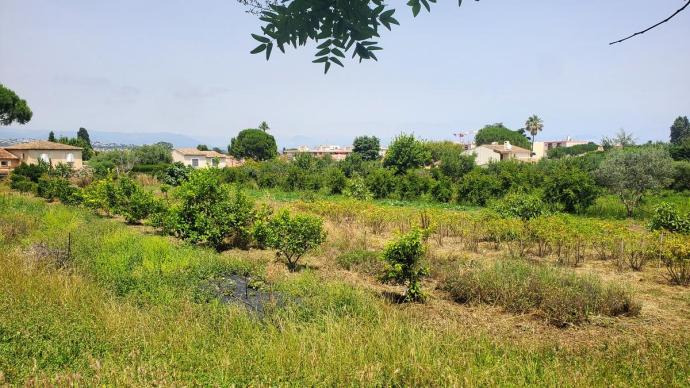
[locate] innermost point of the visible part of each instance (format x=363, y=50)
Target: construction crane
x=461, y=135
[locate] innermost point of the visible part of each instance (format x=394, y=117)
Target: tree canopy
x=253, y=144
x=680, y=130
x=12, y=108
x=83, y=134
x=499, y=133
x=367, y=146
x=405, y=153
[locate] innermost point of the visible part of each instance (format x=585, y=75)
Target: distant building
x=541, y=148
x=494, y=152
x=198, y=159
x=336, y=152
x=36, y=151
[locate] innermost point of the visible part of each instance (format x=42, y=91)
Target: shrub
x=335, y=180
x=176, y=173
x=404, y=264
x=562, y=298
x=52, y=188
x=667, y=217
x=442, y=190
x=675, y=254
x=207, y=212
x=381, y=182
x=406, y=152
x=292, y=237
x=520, y=205
x=478, y=188
x=101, y=195
x=356, y=188
x=413, y=184
x=579, y=149
x=132, y=201
x=681, y=175
x=569, y=188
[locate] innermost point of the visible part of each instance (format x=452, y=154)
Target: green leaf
x=337, y=61
x=258, y=49
x=269, y=47
x=327, y=66
x=320, y=60
x=323, y=52
x=337, y=52
x=261, y=39
x=324, y=44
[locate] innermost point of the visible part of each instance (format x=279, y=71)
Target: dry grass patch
x=561, y=297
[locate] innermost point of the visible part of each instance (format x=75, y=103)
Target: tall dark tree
x=202, y=147
x=264, y=126
x=83, y=134
x=253, y=144
x=51, y=136
x=367, y=146
x=12, y=108
x=680, y=130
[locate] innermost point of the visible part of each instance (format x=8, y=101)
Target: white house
x=198, y=159
x=494, y=152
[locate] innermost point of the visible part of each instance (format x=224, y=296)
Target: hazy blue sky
x=185, y=67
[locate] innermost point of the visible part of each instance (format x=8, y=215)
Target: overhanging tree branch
x=654, y=26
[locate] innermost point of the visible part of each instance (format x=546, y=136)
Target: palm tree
x=534, y=125
x=264, y=126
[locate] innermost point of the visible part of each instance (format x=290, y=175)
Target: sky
x=184, y=67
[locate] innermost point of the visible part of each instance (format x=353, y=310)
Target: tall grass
x=124, y=312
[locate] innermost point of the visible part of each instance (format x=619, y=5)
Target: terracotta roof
x=6, y=155
x=42, y=145
x=196, y=152
x=500, y=148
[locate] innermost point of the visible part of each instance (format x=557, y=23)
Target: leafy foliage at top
x=499, y=133
x=404, y=264
x=680, y=130
x=293, y=236
x=630, y=173
x=340, y=26
x=367, y=146
x=560, y=152
x=253, y=144
x=13, y=108
x=406, y=152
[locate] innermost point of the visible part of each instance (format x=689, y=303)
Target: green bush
x=681, y=175
x=667, y=217
x=52, y=188
x=520, y=205
x=442, y=190
x=357, y=188
x=404, y=264
x=381, y=182
x=335, y=180
x=562, y=298
x=292, y=237
x=569, y=188
x=406, y=152
x=208, y=212
x=101, y=195
x=132, y=201
x=175, y=174
x=478, y=188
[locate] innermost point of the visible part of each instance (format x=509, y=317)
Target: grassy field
x=89, y=300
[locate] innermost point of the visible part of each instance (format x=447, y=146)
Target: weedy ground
x=88, y=300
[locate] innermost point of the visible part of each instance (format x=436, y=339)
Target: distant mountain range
x=110, y=140
x=106, y=137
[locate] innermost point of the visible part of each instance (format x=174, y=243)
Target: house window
x=4, y=163
x=45, y=158
x=70, y=158
x=195, y=162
